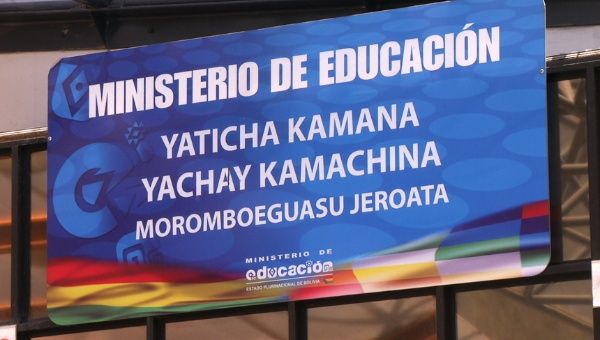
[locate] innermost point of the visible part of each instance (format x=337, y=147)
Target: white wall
x=24, y=76
x=24, y=88
x=566, y=40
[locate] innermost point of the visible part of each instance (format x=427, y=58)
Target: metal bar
x=445, y=313
x=566, y=271
x=155, y=329
x=297, y=321
x=23, y=138
x=593, y=167
x=554, y=173
x=565, y=65
x=580, y=269
x=576, y=220
x=575, y=167
x=563, y=299
x=593, y=164
x=21, y=234
x=225, y=312
x=183, y=8
x=596, y=323
x=576, y=234
x=23, y=336
x=370, y=297
x=45, y=327
x=575, y=198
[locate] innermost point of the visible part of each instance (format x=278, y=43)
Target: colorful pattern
x=485, y=249
x=509, y=244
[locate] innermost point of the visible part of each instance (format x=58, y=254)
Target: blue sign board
x=388, y=150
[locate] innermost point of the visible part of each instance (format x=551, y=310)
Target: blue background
x=488, y=121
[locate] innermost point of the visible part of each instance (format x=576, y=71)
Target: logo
x=70, y=96
x=309, y=268
x=82, y=198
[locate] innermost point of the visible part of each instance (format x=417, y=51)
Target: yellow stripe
x=391, y=273
x=153, y=294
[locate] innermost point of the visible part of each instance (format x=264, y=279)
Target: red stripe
x=537, y=209
x=76, y=272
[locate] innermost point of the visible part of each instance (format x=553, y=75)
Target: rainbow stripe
x=512, y=243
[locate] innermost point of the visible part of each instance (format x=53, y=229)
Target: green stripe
x=98, y=313
x=488, y=247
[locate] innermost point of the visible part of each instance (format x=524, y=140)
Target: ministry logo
x=307, y=269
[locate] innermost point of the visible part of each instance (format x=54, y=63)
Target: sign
x=388, y=150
